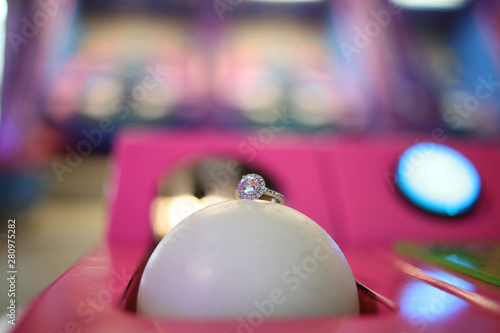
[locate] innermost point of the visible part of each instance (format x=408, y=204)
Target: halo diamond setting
x=253, y=186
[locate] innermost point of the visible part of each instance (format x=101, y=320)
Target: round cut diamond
x=251, y=186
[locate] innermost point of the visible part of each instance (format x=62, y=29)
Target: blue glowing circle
x=438, y=179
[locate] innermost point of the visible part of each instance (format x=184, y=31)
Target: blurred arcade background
x=85, y=71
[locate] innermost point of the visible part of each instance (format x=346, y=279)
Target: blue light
x=459, y=260
x=438, y=179
x=423, y=302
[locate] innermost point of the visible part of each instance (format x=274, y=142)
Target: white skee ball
x=245, y=258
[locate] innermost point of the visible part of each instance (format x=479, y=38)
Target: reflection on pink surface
x=437, y=283
x=421, y=300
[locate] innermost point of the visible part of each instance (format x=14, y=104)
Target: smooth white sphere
x=245, y=258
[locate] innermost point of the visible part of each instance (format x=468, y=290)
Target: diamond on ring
x=253, y=186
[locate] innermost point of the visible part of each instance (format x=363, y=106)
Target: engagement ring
x=253, y=186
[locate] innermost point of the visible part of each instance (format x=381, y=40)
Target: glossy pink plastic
x=341, y=184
